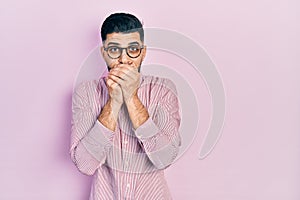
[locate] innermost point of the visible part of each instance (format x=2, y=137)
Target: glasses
x=132, y=51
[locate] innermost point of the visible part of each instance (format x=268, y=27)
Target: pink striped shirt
x=126, y=163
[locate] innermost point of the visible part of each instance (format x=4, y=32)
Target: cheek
x=138, y=62
x=111, y=63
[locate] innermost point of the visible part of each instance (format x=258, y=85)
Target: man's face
x=123, y=40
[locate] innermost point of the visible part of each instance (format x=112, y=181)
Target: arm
x=137, y=112
x=159, y=134
x=128, y=78
x=109, y=115
x=157, y=130
x=90, y=140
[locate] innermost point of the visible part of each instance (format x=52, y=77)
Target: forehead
x=123, y=38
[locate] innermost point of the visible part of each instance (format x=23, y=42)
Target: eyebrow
x=117, y=44
x=131, y=43
x=112, y=43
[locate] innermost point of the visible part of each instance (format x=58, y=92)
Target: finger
x=119, y=73
x=111, y=83
x=126, y=67
x=133, y=73
x=116, y=79
x=126, y=72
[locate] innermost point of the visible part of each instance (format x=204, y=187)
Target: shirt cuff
x=98, y=141
x=146, y=130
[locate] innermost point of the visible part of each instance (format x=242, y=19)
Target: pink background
x=254, y=44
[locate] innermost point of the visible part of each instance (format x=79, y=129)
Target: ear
x=102, y=51
x=144, y=51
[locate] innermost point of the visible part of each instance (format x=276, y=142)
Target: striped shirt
x=126, y=163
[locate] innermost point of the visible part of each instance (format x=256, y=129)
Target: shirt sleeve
x=90, y=140
x=159, y=134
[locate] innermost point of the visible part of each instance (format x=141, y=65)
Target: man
x=125, y=125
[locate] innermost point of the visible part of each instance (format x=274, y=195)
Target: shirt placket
x=127, y=187
x=124, y=142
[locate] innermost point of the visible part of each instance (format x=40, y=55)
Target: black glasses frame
x=122, y=48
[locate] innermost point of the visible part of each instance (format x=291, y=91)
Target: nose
x=124, y=58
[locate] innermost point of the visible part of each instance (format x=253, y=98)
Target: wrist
x=132, y=99
x=114, y=104
x=114, y=108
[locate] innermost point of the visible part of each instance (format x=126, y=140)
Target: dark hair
x=121, y=23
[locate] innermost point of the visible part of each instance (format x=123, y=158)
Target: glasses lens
x=114, y=52
x=133, y=51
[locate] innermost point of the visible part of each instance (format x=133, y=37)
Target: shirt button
x=125, y=142
x=128, y=185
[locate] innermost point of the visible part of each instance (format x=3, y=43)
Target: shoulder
x=89, y=86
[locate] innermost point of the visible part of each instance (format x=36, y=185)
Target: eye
x=133, y=48
x=113, y=49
